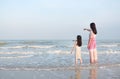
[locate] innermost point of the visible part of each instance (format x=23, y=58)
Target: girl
x=92, y=43
x=77, y=45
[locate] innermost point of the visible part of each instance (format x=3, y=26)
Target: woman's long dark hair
x=79, y=40
x=93, y=27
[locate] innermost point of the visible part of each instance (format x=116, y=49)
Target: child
x=92, y=43
x=77, y=46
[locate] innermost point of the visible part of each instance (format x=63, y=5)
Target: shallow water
x=93, y=73
x=53, y=53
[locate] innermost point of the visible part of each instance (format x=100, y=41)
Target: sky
x=58, y=19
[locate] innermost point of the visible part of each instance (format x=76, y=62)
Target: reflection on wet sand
x=77, y=74
x=93, y=73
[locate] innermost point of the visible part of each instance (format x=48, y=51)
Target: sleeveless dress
x=92, y=41
x=78, y=52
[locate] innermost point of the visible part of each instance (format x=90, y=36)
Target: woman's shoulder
x=92, y=34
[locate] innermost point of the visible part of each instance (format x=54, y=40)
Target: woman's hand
x=88, y=46
x=86, y=29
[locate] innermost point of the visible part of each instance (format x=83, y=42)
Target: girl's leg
x=80, y=60
x=76, y=61
x=91, y=57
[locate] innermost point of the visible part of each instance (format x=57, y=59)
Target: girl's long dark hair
x=79, y=40
x=93, y=27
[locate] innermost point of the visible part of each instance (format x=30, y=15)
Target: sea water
x=54, y=53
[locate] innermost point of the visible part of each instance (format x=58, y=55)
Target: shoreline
x=39, y=68
x=77, y=73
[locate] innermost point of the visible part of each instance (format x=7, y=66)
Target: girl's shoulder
x=75, y=41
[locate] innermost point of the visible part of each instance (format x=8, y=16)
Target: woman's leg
x=91, y=56
x=95, y=56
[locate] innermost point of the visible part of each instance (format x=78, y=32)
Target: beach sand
x=112, y=72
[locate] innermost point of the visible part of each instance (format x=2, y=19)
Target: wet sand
x=112, y=72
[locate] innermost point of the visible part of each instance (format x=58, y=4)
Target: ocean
x=53, y=53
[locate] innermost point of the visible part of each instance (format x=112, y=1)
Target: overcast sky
x=58, y=19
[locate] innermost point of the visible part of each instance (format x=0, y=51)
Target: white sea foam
x=24, y=53
x=41, y=46
x=58, y=52
x=112, y=52
x=24, y=46
x=109, y=45
x=17, y=47
x=11, y=57
x=13, y=47
x=106, y=52
x=82, y=52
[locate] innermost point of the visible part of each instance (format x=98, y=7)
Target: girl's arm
x=73, y=47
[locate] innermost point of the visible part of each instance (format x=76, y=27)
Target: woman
x=92, y=43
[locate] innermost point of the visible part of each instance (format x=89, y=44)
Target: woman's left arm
x=89, y=41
